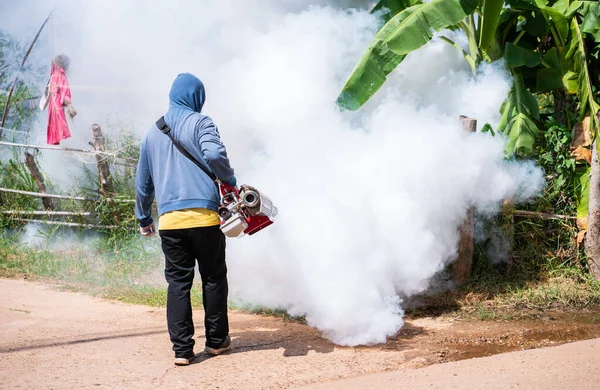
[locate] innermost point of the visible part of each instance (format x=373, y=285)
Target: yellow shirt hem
x=187, y=219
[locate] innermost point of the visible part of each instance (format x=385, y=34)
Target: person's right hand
x=71, y=111
x=148, y=231
x=226, y=188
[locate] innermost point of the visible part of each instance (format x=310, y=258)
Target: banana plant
x=546, y=45
x=578, y=79
x=406, y=31
x=409, y=25
x=410, y=28
x=514, y=33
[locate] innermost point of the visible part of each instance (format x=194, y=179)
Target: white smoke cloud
x=369, y=201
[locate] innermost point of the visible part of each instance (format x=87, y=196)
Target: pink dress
x=60, y=93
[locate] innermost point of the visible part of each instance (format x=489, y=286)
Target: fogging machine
x=243, y=211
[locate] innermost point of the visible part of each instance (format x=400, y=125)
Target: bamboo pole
x=50, y=147
x=64, y=149
x=70, y=224
x=37, y=194
x=49, y=213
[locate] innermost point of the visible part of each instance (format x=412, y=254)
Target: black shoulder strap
x=162, y=126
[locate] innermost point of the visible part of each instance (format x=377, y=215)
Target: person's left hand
x=148, y=231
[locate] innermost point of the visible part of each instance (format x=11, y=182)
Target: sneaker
x=226, y=346
x=184, y=361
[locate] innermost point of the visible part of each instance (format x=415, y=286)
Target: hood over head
x=187, y=92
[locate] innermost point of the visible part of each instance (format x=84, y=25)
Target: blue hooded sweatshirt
x=164, y=172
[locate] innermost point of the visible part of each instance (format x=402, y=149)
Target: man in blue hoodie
x=187, y=201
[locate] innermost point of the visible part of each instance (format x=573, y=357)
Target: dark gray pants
x=182, y=248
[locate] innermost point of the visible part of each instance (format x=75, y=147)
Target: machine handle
x=226, y=189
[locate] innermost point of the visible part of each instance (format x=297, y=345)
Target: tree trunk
x=39, y=180
x=106, y=186
x=592, y=240
x=461, y=268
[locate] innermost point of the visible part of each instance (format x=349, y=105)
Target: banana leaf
x=490, y=16
x=407, y=31
x=582, y=190
x=578, y=79
x=525, y=4
x=591, y=17
x=551, y=78
x=389, y=8
x=516, y=56
x=518, y=113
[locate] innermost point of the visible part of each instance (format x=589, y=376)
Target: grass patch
x=547, y=271
x=148, y=296
x=87, y=266
x=116, y=274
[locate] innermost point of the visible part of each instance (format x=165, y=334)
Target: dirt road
x=569, y=366
x=52, y=339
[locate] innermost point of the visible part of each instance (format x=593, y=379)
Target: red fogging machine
x=246, y=211
x=243, y=211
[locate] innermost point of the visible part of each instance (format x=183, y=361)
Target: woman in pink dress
x=59, y=98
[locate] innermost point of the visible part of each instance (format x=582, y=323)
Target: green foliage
x=407, y=31
x=516, y=56
x=578, y=79
x=19, y=112
x=15, y=175
x=582, y=190
x=490, y=16
x=411, y=29
x=114, y=211
x=546, y=272
x=82, y=261
x=516, y=123
x=556, y=160
x=389, y=8
x=550, y=77
x=487, y=128
x=543, y=43
x=591, y=19
x=149, y=296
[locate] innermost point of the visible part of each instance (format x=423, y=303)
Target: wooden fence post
x=39, y=180
x=461, y=268
x=106, y=186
